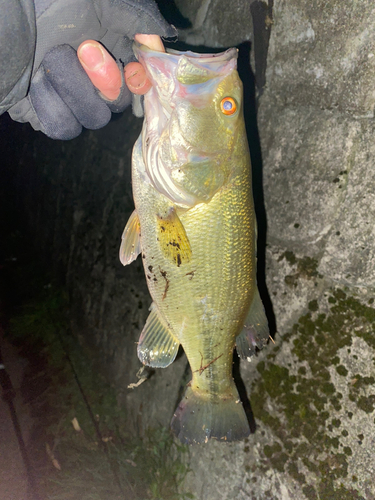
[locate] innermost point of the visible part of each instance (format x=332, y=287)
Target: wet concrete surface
x=14, y=483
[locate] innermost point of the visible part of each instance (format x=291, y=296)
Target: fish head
x=192, y=121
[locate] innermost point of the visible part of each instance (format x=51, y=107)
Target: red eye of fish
x=228, y=106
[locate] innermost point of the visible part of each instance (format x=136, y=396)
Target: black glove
x=61, y=98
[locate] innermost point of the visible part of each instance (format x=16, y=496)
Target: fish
x=194, y=225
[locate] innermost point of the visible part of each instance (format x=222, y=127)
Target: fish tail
x=200, y=417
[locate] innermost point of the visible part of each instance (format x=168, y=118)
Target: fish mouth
x=176, y=76
x=212, y=61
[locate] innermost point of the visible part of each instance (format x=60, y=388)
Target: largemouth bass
x=195, y=226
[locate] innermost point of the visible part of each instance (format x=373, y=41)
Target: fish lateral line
x=202, y=368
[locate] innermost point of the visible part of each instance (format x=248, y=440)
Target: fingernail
x=91, y=56
x=136, y=81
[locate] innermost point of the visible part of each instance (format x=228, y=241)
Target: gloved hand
x=61, y=97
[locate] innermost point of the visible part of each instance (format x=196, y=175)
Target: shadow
x=250, y=113
x=243, y=393
x=185, y=379
x=199, y=49
x=171, y=13
x=261, y=14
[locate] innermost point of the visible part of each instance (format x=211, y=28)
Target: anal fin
x=157, y=346
x=130, y=240
x=255, y=332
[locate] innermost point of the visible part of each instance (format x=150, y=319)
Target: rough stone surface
x=322, y=53
x=216, y=23
x=313, y=392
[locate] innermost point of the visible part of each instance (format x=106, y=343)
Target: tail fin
x=200, y=417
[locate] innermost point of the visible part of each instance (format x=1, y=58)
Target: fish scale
x=198, y=247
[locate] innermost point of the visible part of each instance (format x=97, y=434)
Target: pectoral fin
x=157, y=346
x=255, y=331
x=173, y=238
x=131, y=244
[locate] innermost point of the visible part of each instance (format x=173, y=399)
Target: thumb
x=135, y=75
x=101, y=68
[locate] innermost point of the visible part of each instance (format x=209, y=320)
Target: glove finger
x=70, y=81
x=123, y=49
x=45, y=110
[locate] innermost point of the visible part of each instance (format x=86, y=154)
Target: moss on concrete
x=304, y=397
x=306, y=268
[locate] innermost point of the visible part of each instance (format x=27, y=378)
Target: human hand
x=105, y=74
x=61, y=97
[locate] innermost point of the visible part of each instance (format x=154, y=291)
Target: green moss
x=291, y=280
x=339, y=294
x=305, y=404
x=308, y=267
x=310, y=492
x=368, y=337
x=327, y=491
x=366, y=404
x=334, y=442
x=271, y=450
x=289, y=256
x=341, y=370
x=278, y=461
x=359, y=383
x=328, y=388
x=313, y=305
x=310, y=465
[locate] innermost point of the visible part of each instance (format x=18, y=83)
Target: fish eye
x=228, y=106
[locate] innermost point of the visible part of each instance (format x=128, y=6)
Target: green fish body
x=194, y=224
